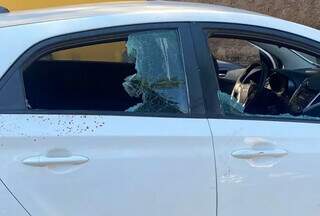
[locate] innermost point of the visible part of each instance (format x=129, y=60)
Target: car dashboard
x=298, y=90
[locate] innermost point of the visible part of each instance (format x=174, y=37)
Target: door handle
x=41, y=161
x=252, y=154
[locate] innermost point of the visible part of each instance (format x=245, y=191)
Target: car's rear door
x=74, y=163
x=108, y=165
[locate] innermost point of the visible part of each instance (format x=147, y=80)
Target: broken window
x=160, y=78
x=265, y=80
x=142, y=72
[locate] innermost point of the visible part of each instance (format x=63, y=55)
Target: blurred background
x=31, y=4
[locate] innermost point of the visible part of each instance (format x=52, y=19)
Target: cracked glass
x=160, y=79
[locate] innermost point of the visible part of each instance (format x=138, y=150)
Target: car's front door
x=153, y=158
x=266, y=164
x=267, y=167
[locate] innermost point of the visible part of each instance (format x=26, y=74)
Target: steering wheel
x=250, y=83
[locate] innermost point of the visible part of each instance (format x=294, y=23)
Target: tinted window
x=105, y=52
x=142, y=72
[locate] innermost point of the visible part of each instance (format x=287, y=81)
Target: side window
x=142, y=72
x=264, y=79
x=106, y=52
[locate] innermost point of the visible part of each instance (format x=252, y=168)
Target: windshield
x=309, y=58
x=290, y=59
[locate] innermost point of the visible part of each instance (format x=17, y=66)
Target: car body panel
x=137, y=165
x=141, y=8
x=150, y=165
x=283, y=185
x=8, y=204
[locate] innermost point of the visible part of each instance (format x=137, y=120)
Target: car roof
x=136, y=8
x=21, y=30
x=137, y=12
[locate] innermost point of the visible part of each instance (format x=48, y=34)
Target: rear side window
x=105, y=52
x=143, y=72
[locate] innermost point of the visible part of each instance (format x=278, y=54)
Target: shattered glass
x=160, y=79
x=230, y=106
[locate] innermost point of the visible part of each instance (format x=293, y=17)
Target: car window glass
x=106, y=52
x=265, y=80
x=142, y=72
x=160, y=78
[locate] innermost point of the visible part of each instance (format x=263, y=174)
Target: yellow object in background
x=107, y=52
x=13, y=5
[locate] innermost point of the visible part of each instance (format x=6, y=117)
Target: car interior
x=277, y=81
x=70, y=84
x=117, y=75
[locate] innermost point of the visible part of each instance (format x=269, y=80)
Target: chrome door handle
x=252, y=154
x=41, y=160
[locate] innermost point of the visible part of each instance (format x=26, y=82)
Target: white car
x=158, y=109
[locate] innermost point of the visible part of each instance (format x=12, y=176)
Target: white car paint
x=8, y=204
x=264, y=185
x=149, y=165
x=37, y=25
x=137, y=165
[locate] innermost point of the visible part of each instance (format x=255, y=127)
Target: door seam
x=15, y=197
x=215, y=165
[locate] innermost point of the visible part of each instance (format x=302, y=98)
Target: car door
x=108, y=165
x=266, y=165
x=111, y=163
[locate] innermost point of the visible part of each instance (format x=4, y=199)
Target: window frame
x=195, y=97
x=248, y=32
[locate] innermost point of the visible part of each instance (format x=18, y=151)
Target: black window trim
x=195, y=97
x=200, y=32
